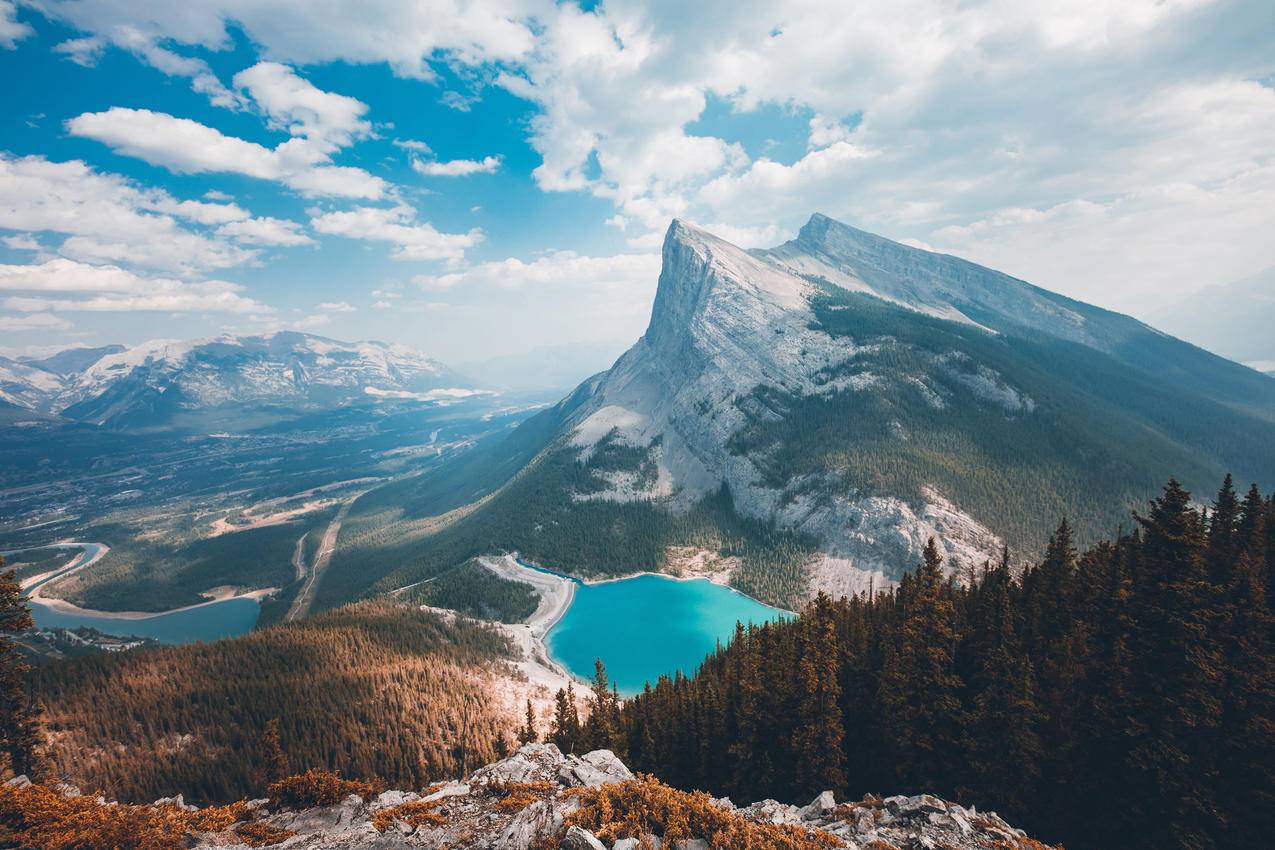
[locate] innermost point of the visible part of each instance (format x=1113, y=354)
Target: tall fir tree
x=919, y=690
x=1004, y=716
x=1180, y=684
x=819, y=739
x=21, y=736
x=527, y=734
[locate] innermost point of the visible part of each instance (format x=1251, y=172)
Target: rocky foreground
x=538, y=799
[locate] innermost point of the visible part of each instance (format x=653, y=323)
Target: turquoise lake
x=649, y=625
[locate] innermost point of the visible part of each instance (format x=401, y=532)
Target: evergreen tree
x=527, y=734
x=1180, y=683
x=20, y=733
x=919, y=692
x=602, y=730
x=274, y=764
x=819, y=737
x=1005, y=748
x=565, y=729
x=1223, y=536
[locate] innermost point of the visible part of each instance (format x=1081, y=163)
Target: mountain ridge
x=150, y=383
x=779, y=389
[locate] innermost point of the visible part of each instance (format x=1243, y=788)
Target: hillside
x=371, y=690
x=812, y=414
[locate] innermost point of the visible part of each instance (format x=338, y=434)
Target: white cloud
x=556, y=270
x=265, y=231
x=107, y=217
x=336, y=307
x=412, y=145
x=329, y=121
x=21, y=242
x=188, y=147
x=34, y=322
x=11, y=29
x=316, y=320
x=407, y=36
x=397, y=225
x=82, y=51
x=457, y=167
x=112, y=289
x=825, y=131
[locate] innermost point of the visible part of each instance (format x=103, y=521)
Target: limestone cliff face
x=726, y=321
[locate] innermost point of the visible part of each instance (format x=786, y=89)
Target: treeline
x=538, y=515
x=372, y=690
x=1123, y=697
x=475, y=590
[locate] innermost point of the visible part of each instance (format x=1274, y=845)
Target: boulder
x=818, y=807
x=599, y=767
x=581, y=839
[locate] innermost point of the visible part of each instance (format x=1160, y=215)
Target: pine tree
x=918, y=692
x=1223, y=532
x=1006, y=751
x=565, y=729
x=1248, y=718
x=819, y=738
x=274, y=764
x=20, y=733
x=1180, y=683
x=602, y=730
x=527, y=734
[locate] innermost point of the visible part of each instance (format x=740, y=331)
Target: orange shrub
x=315, y=788
x=40, y=818
x=216, y=818
x=644, y=805
x=257, y=834
x=418, y=813
x=516, y=796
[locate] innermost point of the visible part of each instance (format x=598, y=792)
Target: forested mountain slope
x=370, y=690
x=812, y=414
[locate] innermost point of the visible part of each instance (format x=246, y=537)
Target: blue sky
x=479, y=179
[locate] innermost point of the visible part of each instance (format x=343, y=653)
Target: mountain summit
x=806, y=417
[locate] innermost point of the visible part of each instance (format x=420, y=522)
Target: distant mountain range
x=151, y=384
x=1233, y=319
x=805, y=417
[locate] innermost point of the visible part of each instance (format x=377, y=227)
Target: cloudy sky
x=483, y=178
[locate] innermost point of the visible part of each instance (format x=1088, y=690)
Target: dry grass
x=418, y=813
x=644, y=805
x=40, y=818
x=516, y=796
x=262, y=834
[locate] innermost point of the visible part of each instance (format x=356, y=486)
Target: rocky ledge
x=539, y=798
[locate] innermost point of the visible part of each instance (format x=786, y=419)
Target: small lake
x=649, y=625
x=212, y=621
x=216, y=620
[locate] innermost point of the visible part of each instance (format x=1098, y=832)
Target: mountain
x=806, y=417
x=1233, y=319
x=158, y=382
x=72, y=360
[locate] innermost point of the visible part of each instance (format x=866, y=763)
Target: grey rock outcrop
x=525, y=800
